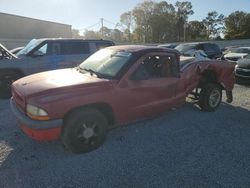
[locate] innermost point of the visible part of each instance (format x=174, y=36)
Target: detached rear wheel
x=6, y=80
x=210, y=97
x=84, y=130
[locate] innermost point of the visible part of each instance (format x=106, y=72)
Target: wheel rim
x=214, y=98
x=88, y=133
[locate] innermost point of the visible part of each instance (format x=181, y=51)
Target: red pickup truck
x=114, y=86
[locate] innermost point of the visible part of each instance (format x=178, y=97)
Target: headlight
x=36, y=113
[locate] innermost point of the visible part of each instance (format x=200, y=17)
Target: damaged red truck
x=114, y=86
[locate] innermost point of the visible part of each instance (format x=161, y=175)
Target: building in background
x=18, y=30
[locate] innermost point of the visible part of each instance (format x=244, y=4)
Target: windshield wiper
x=92, y=72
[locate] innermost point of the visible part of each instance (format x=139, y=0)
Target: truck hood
x=60, y=80
x=238, y=55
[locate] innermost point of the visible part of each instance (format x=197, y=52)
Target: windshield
x=183, y=48
x=30, y=46
x=106, y=62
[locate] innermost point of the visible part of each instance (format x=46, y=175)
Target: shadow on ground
x=182, y=148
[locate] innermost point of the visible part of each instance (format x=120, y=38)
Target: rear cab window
x=156, y=66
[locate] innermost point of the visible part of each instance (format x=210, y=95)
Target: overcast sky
x=82, y=14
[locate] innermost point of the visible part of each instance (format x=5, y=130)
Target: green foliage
x=184, y=9
x=162, y=22
x=75, y=33
x=196, y=31
x=214, y=24
x=142, y=14
x=158, y=22
x=237, y=25
x=127, y=19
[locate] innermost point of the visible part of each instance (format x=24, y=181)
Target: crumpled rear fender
x=223, y=70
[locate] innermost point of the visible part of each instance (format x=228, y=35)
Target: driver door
x=151, y=87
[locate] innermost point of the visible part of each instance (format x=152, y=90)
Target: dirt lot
x=182, y=148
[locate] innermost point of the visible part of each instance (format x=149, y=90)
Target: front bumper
x=38, y=130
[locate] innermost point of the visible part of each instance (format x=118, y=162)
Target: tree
x=184, y=9
x=106, y=32
x=91, y=35
x=162, y=22
x=142, y=13
x=214, y=24
x=126, y=19
x=116, y=35
x=75, y=33
x=196, y=31
x=237, y=25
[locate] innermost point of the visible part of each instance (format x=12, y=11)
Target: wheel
x=210, y=97
x=6, y=80
x=84, y=130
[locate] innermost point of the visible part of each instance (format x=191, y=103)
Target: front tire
x=210, y=97
x=84, y=130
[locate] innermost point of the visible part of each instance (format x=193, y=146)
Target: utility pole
x=102, y=27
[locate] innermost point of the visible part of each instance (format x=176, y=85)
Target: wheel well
x=208, y=76
x=15, y=71
x=104, y=108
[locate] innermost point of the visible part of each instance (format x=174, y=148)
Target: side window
x=43, y=50
x=74, y=48
x=101, y=45
x=55, y=48
x=217, y=48
x=209, y=48
x=199, y=47
x=155, y=66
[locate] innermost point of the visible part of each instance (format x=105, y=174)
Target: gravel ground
x=182, y=148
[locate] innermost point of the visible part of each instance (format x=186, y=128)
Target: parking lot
x=184, y=147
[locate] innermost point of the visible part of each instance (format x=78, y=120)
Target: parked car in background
x=242, y=70
x=46, y=54
x=168, y=45
x=212, y=50
x=227, y=49
x=234, y=54
x=112, y=87
x=16, y=50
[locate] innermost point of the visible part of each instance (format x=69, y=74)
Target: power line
x=109, y=22
x=86, y=28
x=101, y=22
